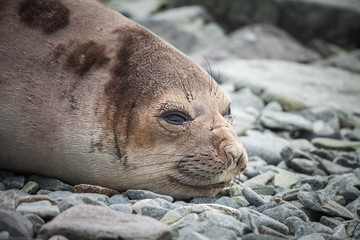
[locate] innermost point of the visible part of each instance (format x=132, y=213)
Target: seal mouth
x=220, y=185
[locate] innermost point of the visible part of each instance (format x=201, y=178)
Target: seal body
x=88, y=96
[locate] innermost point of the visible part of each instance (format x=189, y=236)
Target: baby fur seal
x=88, y=96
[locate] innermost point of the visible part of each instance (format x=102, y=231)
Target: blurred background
x=301, y=55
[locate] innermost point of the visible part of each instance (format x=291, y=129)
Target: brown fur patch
x=84, y=57
x=48, y=15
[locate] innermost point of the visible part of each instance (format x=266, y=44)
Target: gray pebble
x=312, y=236
x=119, y=199
x=2, y=187
x=43, y=209
x=5, y=174
x=36, y=221
x=125, y=208
x=52, y=184
x=70, y=202
x=298, y=227
x=58, y=237
x=254, y=236
x=4, y=235
x=9, y=199
x=16, y=225
x=269, y=205
x=229, y=202
x=30, y=187
x=252, y=197
x=330, y=222
x=191, y=235
x=202, y=200
x=153, y=211
x=16, y=182
x=282, y=212
x=143, y=194
x=320, y=228
x=350, y=193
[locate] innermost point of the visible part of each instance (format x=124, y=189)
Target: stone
x=119, y=198
x=9, y=199
x=349, y=61
x=143, y=194
x=284, y=178
x=170, y=217
x=320, y=228
x=335, y=144
x=354, y=206
x=247, y=100
x=285, y=121
x=254, y=167
x=262, y=178
x=124, y=208
x=269, y=205
x=262, y=219
x=2, y=187
x=349, y=193
x=58, y=237
x=185, y=221
x=16, y=225
x=312, y=236
x=95, y=222
x=330, y=222
x=351, y=226
x=316, y=182
x=357, y=232
x=262, y=189
x=5, y=174
x=252, y=197
x=153, y=211
x=191, y=235
x=134, y=9
x=303, y=165
x=4, y=235
x=268, y=148
x=282, y=212
x=202, y=200
x=271, y=77
x=225, y=221
x=87, y=188
x=302, y=144
x=333, y=168
x=36, y=221
x=43, y=209
x=298, y=227
x=207, y=229
x=340, y=231
x=16, y=182
x=254, y=236
x=317, y=202
x=346, y=162
x=30, y=187
x=271, y=232
x=229, y=202
x=52, y=184
x=76, y=200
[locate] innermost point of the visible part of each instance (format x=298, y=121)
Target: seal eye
x=227, y=112
x=176, y=117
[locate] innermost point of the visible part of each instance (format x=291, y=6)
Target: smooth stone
x=330, y=222
x=97, y=222
x=335, y=144
x=225, y=221
x=350, y=163
x=36, y=221
x=165, y=204
x=284, y=178
x=4, y=235
x=254, y=236
x=350, y=193
x=312, y=236
x=120, y=207
x=245, y=99
x=267, y=147
x=252, y=197
x=143, y=194
x=201, y=200
x=94, y=198
x=58, y=237
x=302, y=144
x=30, y=187
x=254, y=167
x=156, y=212
x=52, y=184
x=340, y=231
x=59, y=195
x=351, y=226
x=2, y=187
x=357, y=232
x=185, y=221
x=16, y=225
x=321, y=228
x=303, y=165
x=16, y=182
x=228, y=202
x=354, y=206
x=282, y=212
x=317, y=202
x=192, y=235
x=316, y=182
x=298, y=227
x=262, y=219
x=285, y=121
x=43, y=209
x=241, y=200
x=170, y=217
x=262, y=189
x=9, y=199
x=269, y=205
x=333, y=168
x=76, y=200
x=119, y=198
x=262, y=178
x=269, y=231
x=208, y=229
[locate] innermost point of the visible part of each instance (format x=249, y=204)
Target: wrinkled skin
x=92, y=97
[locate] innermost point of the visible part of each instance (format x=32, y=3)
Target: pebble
x=143, y=194
x=192, y=235
x=229, y=202
x=118, y=198
x=298, y=227
x=30, y=187
x=103, y=223
x=252, y=197
x=16, y=225
x=282, y=212
x=320, y=228
x=15, y=182
x=87, y=188
x=125, y=208
x=51, y=184
x=43, y=209
x=36, y=221
x=336, y=144
x=9, y=199
x=303, y=165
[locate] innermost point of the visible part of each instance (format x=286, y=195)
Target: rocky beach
x=292, y=70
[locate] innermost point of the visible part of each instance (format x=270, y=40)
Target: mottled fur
x=82, y=102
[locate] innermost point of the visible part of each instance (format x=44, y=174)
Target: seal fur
x=98, y=99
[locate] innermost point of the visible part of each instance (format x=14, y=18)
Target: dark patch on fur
x=49, y=15
x=84, y=57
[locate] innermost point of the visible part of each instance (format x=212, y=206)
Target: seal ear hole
x=176, y=117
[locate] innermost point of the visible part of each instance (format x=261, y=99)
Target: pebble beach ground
x=300, y=124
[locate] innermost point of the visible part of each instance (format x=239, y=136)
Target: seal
x=89, y=96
